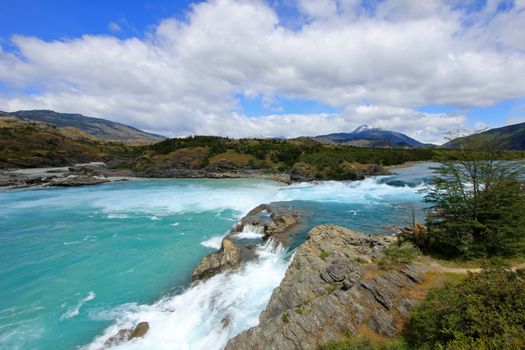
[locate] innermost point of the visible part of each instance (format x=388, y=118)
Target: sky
x=274, y=68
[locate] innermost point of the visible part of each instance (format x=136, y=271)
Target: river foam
x=206, y=315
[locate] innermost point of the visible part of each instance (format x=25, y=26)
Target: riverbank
x=98, y=172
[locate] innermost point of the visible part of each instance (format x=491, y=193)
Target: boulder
x=140, y=330
x=228, y=257
x=127, y=334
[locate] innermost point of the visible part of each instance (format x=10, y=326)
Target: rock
x=326, y=294
x=302, y=172
x=274, y=220
x=127, y=334
x=140, y=330
x=80, y=180
x=228, y=257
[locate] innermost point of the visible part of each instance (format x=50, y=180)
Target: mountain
x=96, y=127
x=511, y=137
x=365, y=136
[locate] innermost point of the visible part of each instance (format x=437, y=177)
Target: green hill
x=511, y=137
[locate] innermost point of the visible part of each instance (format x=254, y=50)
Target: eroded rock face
x=274, y=222
x=330, y=290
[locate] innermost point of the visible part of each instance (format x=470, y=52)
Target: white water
x=207, y=314
x=251, y=232
x=72, y=312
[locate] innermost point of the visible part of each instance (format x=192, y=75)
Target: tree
x=477, y=206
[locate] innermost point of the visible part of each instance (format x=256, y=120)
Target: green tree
x=477, y=206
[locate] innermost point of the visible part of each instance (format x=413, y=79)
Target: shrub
x=396, y=254
x=484, y=311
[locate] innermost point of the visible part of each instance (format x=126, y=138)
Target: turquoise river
x=78, y=264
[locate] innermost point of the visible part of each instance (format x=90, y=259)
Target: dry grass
x=233, y=157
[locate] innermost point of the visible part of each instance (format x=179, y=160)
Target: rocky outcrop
x=228, y=257
x=333, y=288
x=127, y=334
x=271, y=220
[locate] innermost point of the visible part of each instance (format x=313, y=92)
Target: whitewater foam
x=251, y=232
x=72, y=312
x=214, y=242
x=206, y=315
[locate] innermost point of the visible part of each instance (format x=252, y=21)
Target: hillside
x=96, y=127
x=511, y=137
x=365, y=136
x=35, y=144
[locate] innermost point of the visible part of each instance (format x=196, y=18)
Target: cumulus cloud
x=378, y=65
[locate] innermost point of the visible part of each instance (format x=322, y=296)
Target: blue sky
x=183, y=67
x=59, y=19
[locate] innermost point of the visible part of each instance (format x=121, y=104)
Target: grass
x=300, y=311
x=397, y=254
x=361, y=260
x=324, y=255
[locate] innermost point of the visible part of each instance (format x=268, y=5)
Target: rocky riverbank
x=118, y=170
x=332, y=288
x=77, y=175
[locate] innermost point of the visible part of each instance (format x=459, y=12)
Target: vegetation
x=25, y=143
x=477, y=209
x=365, y=343
x=303, y=156
x=397, y=254
x=484, y=311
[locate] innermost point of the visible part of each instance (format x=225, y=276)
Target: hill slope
x=365, y=136
x=511, y=137
x=97, y=127
x=27, y=144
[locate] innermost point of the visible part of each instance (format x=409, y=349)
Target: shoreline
x=95, y=173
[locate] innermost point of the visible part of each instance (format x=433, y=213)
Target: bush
x=484, y=311
x=396, y=254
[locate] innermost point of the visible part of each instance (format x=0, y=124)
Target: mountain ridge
x=509, y=137
x=366, y=136
x=96, y=127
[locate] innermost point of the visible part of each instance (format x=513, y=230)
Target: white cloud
x=183, y=78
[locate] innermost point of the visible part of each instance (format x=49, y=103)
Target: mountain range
x=81, y=126
x=510, y=137
x=78, y=126
x=365, y=136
